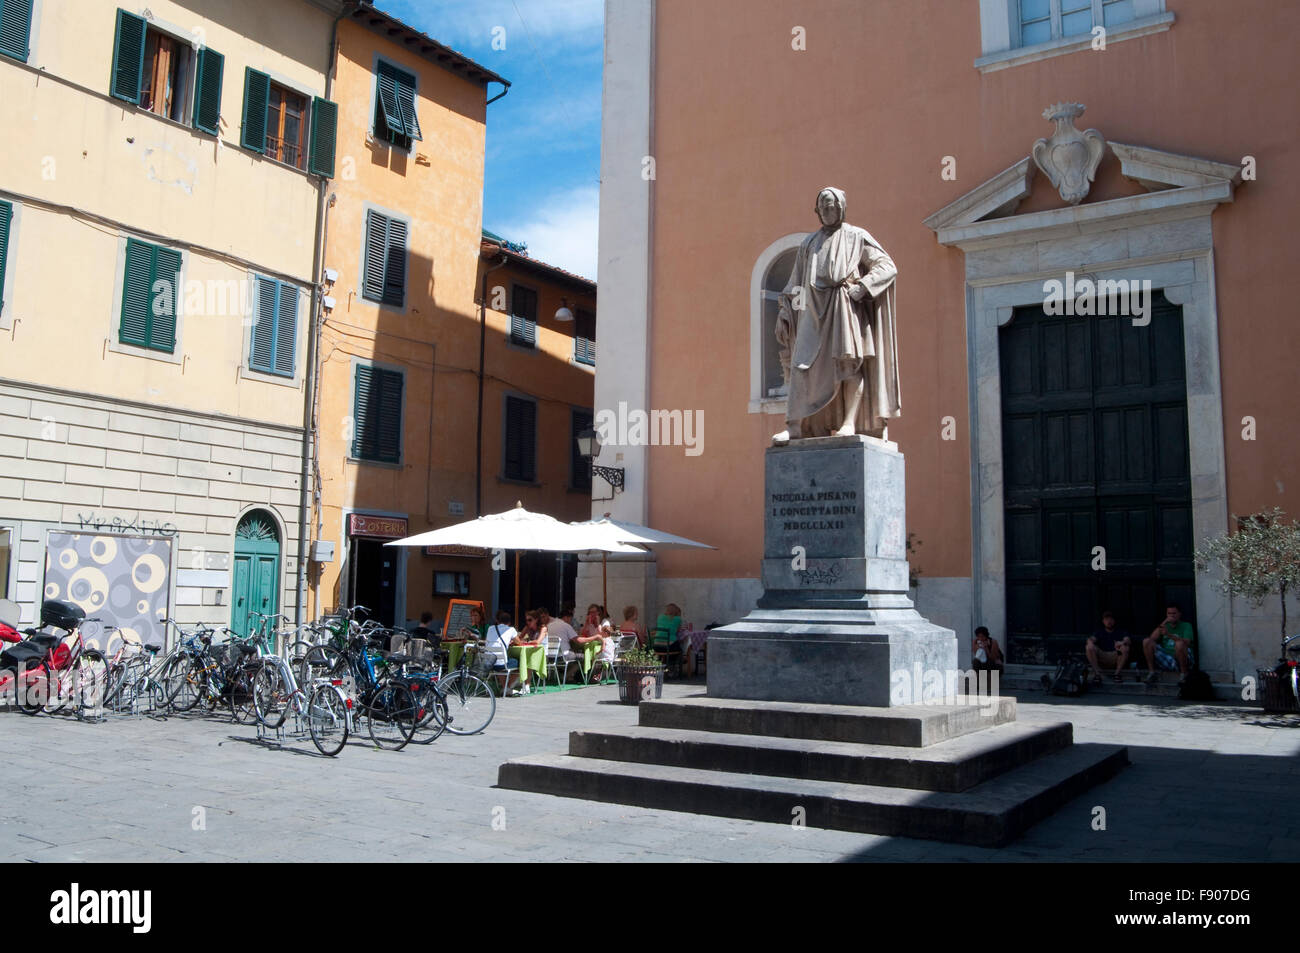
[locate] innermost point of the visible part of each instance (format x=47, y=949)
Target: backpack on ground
x=1196, y=687
x=1071, y=679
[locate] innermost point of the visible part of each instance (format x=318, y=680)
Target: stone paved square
x=1209, y=782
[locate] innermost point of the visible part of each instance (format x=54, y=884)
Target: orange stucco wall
x=746, y=130
x=434, y=339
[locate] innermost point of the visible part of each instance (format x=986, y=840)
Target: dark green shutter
x=6, y=215
x=166, y=295
x=377, y=410
x=286, y=329
x=405, y=92
x=207, y=96
x=521, y=439
x=15, y=28
x=395, y=265
x=361, y=404
x=137, y=293
x=372, y=282
x=523, y=316
x=389, y=436
x=324, y=136
x=128, y=57
x=388, y=107
x=262, y=351
x=257, y=92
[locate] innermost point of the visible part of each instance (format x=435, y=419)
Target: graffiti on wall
x=120, y=580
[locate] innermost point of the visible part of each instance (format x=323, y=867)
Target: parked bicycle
x=322, y=705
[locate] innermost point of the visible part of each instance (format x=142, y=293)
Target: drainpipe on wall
x=306, y=502
x=482, y=347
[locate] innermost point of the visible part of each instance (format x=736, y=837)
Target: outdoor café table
x=692, y=641
x=455, y=649
x=589, y=652
x=532, y=658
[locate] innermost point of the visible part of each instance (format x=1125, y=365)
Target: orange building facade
x=404, y=342
x=1031, y=438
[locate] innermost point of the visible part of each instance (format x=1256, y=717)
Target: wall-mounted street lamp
x=564, y=314
x=589, y=449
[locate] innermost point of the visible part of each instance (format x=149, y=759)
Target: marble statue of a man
x=837, y=331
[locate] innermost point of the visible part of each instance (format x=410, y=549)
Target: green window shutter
x=389, y=430
x=166, y=292
x=372, y=282
x=521, y=439
x=128, y=57
x=523, y=316
x=404, y=90
x=257, y=92
x=207, y=95
x=15, y=28
x=286, y=330
x=389, y=110
x=262, y=350
x=137, y=293
x=395, y=264
x=324, y=137
x=6, y=216
x=362, y=401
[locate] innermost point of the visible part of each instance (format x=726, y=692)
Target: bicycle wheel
x=90, y=682
x=187, y=684
x=116, y=689
x=327, y=719
x=243, y=707
x=469, y=702
x=390, y=715
x=430, y=721
x=271, y=696
x=33, y=687
x=61, y=686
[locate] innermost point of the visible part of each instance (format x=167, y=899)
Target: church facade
x=1089, y=211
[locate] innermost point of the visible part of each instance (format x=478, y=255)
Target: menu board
x=458, y=616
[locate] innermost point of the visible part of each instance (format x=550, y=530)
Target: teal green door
x=256, y=583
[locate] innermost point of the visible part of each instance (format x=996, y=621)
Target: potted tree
x=640, y=676
x=1259, y=560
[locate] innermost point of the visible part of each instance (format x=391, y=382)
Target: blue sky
x=543, y=138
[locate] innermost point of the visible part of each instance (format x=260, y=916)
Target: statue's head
x=830, y=206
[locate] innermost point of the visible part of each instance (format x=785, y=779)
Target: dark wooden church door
x=1094, y=444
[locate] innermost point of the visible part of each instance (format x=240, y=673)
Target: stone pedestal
x=835, y=624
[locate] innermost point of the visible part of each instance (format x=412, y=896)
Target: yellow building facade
x=160, y=194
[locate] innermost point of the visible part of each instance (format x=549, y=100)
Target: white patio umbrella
x=519, y=529
x=618, y=531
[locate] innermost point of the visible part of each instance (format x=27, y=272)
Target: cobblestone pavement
x=1207, y=783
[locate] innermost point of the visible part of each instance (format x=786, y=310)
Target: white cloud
x=562, y=231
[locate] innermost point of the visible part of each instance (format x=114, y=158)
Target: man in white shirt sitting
x=561, y=631
x=498, y=641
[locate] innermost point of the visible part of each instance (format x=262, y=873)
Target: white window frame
x=7, y=310
x=1000, y=32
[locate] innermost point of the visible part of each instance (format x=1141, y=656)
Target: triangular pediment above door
x=987, y=213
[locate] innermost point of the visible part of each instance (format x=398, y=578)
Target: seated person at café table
x=561, y=630
x=631, y=626
x=604, y=662
x=499, y=639
x=1108, y=646
x=477, y=627
x=591, y=629
x=533, y=634
x=667, y=627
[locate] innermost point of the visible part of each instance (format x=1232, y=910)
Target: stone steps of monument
x=950, y=766
x=1028, y=678
x=912, y=726
x=989, y=814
